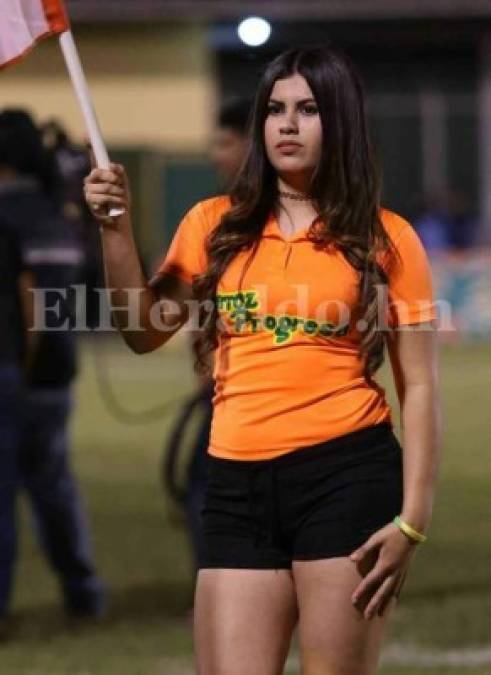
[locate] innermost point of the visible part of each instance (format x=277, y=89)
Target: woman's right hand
x=105, y=188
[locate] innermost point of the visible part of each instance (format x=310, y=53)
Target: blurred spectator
x=38, y=367
x=229, y=139
x=446, y=222
x=73, y=164
x=431, y=226
x=10, y=386
x=227, y=151
x=462, y=223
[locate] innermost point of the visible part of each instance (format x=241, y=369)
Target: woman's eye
x=273, y=109
x=310, y=109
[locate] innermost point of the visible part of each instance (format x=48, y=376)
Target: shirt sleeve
x=410, y=284
x=186, y=256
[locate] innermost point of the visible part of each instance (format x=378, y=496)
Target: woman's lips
x=288, y=147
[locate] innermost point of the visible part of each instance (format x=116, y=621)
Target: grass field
x=441, y=625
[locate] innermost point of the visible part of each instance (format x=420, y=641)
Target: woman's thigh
x=243, y=621
x=334, y=637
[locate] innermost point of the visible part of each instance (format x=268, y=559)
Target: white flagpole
x=79, y=82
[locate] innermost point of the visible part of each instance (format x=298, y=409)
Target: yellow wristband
x=409, y=531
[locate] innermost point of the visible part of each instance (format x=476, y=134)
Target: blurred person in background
x=446, y=222
x=73, y=163
x=227, y=151
x=11, y=338
x=313, y=509
x=45, y=253
x=431, y=225
x=229, y=139
x=462, y=222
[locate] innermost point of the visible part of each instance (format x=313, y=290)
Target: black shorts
x=317, y=502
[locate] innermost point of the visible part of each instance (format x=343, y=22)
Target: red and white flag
x=24, y=22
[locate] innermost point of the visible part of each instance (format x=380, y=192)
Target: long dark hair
x=345, y=187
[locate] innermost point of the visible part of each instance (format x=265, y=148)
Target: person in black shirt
x=10, y=383
x=37, y=367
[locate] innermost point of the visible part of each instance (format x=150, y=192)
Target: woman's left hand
x=392, y=551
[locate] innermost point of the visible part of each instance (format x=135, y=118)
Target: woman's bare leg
x=244, y=621
x=334, y=637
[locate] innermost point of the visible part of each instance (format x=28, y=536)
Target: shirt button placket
x=288, y=251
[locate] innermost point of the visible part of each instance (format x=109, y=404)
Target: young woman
x=302, y=279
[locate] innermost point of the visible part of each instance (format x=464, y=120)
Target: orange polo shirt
x=287, y=368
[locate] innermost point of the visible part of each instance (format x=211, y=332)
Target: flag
x=24, y=22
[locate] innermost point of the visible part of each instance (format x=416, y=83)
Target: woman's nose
x=289, y=123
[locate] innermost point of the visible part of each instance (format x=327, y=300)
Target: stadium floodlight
x=254, y=31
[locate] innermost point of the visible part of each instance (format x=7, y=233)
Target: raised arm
x=147, y=314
